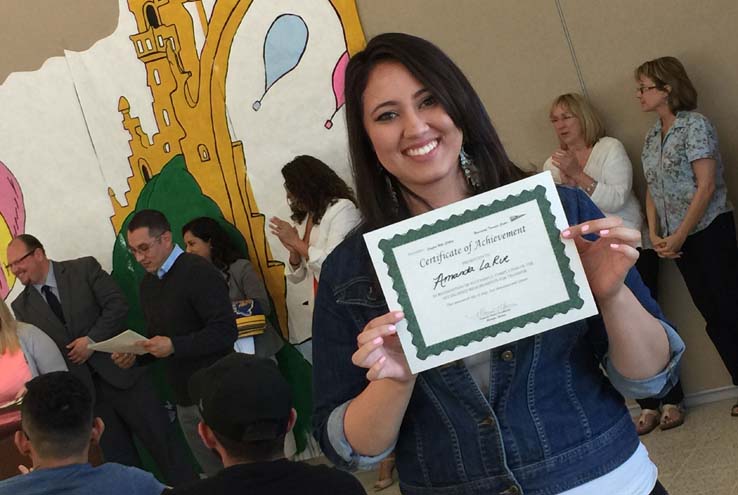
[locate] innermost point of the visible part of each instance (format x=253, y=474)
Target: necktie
x=54, y=303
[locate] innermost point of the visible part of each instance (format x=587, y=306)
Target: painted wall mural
x=191, y=107
x=12, y=222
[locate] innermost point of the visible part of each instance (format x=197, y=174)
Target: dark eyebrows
x=390, y=103
x=420, y=93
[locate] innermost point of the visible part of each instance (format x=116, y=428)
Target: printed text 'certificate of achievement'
x=481, y=273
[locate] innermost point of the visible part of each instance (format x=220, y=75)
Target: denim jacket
x=552, y=419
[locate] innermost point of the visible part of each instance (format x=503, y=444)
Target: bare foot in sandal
x=671, y=416
x=385, y=473
x=647, y=421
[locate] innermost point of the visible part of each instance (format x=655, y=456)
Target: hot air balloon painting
x=339, y=77
x=284, y=47
x=12, y=223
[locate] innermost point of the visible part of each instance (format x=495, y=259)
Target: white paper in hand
x=123, y=342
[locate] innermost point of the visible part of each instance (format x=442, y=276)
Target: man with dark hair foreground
x=246, y=408
x=57, y=428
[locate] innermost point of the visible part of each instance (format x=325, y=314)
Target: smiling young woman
x=414, y=138
x=537, y=415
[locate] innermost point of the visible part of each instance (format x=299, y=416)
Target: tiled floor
x=701, y=456
x=698, y=458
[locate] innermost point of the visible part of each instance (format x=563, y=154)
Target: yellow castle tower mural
x=190, y=113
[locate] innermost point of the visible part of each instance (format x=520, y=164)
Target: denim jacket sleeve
x=336, y=380
x=657, y=385
x=579, y=209
x=341, y=447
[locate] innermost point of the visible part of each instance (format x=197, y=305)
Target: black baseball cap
x=243, y=397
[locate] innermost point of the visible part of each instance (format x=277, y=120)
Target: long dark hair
x=314, y=187
x=222, y=251
x=438, y=73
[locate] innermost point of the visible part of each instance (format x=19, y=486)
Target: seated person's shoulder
x=128, y=480
x=108, y=479
x=276, y=478
x=324, y=479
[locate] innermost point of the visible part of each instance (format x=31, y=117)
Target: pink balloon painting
x=11, y=201
x=339, y=78
x=12, y=222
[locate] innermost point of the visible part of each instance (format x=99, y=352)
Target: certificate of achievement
x=481, y=272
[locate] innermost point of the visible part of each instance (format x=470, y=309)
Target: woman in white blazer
x=323, y=210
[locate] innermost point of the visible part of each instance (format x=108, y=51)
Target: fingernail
x=614, y=246
x=378, y=340
x=604, y=232
x=566, y=233
x=399, y=314
x=585, y=228
x=391, y=328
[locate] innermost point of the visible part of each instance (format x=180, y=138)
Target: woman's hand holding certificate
x=607, y=259
x=380, y=349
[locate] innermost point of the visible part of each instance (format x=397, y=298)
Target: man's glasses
x=642, y=89
x=12, y=264
x=142, y=249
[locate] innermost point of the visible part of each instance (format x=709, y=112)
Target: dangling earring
x=393, y=194
x=471, y=173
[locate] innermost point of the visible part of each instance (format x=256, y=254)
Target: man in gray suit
x=76, y=302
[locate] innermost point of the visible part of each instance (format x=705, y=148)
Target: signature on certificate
x=494, y=312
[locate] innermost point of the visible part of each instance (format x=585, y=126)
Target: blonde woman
x=590, y=160
x=25, y=352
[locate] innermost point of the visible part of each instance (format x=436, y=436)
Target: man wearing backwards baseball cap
x=246, y=408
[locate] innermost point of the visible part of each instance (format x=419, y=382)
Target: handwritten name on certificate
x=481, y=273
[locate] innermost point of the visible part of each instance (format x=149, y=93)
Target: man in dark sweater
x=188, y=316
x=246, y=408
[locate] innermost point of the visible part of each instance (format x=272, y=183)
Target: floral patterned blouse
x=667, y=166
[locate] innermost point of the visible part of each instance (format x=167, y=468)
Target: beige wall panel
x=514, y=53
x=31, y=31
x=611, y=39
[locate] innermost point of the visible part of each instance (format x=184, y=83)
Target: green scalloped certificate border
x=537, y=194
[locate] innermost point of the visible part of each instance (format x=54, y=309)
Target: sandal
x=671, y=417
x=384, y=479
x=647, y=421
